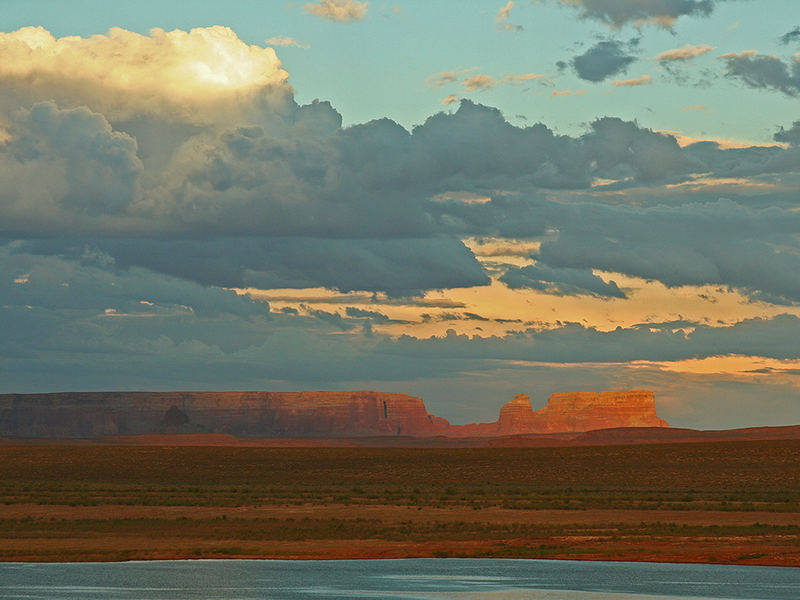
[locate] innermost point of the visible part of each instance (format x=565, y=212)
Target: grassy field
x=736, y=502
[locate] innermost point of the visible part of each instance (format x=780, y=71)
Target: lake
x=457, y=579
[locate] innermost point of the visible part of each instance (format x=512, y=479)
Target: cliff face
x=585, y=411
x=305, y=414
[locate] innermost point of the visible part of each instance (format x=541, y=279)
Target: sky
x=460, y=201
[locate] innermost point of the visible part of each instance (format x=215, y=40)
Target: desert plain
x=175, y=497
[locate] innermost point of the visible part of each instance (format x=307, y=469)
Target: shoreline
x=179, y=558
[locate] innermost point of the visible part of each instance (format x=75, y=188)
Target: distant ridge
x=306, y=414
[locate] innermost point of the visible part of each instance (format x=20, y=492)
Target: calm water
x=460, y=579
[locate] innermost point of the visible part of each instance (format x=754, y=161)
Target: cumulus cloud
x=284, y=196
x=602, y=60
x=643, y=80
x=195, y=75
x=127, y=208
x=503, y=18
x=688, y=52
x=343, y=11
x=62, y=167
x=763, y=71
x=663, y=13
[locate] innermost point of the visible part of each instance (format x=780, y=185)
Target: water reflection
x=456, y=579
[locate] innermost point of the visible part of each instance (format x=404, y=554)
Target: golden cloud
x=344, y=11
x=123, y=73
x=686, y=53
x=643, y=80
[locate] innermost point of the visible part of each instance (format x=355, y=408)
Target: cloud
x=688, y=52
x=482, y=81
x=342, y=11
x=560, y=282
x=479, y=82
x=790, y=36
x=284, y=41
x=450, y=99
x=695, y=107
x=360, y=313
x=284, y=196
x=764, y=72
x=662, y=13
x=643, y=80
x=789, y=136
x=125, y=212
x=64, y=166
x=193, y=75
x=694, y=244
x=79, y=317
x=601, y=61
x=503, y=18
x=575, y=343
x=445, y=77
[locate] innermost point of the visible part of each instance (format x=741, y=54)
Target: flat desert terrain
x=725, y=502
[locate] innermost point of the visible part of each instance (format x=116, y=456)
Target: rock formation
x=305, y=414
x=585, y=411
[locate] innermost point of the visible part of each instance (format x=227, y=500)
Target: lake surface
x=458, y=579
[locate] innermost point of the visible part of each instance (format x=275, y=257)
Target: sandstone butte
x=305, y=414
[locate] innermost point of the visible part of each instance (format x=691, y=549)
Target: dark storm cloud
x=561, y=282
x=602, y=60
x=765, y=72
x=396, y=266
x=74, y=323
x=711, y=243
x=367, y=207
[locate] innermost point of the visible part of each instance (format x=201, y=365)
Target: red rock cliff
x=305, y=414
x=585, y=411
x=570, y=412
x=274, y=414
